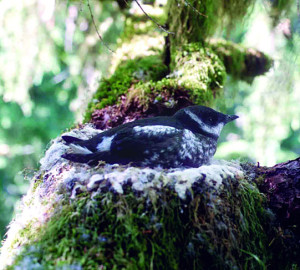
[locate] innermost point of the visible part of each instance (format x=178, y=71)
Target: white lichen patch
x=59, y=179
x=211, y=175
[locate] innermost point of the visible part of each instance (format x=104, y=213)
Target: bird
x=186, y=139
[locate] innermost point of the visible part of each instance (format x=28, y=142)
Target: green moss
x=232, y=55
x=197, y=70
x=200, y=70
x=37, y=182
x=240, y=62
x=253, y=219
x=114, y=233
x=207, y=231
x=144, y=92
x=128, y=73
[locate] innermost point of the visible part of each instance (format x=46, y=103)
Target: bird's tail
x=70, y=139
x=91, y=159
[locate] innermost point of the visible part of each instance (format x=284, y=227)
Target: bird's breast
x=196, y=148
x=187, y=149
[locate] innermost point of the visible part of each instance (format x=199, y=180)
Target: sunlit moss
x=129, y=72
x=199, y=69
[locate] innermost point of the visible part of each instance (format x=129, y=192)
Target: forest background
x=52, y=62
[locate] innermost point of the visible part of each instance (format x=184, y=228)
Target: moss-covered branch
x=241, y=62
x=111, y=216
x=192, y=26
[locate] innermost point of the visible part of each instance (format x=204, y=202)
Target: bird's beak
x=230, y=118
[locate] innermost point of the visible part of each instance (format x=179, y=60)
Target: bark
x=281, y=185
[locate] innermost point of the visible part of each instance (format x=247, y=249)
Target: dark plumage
x=188, y=138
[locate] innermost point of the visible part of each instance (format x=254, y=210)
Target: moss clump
x=155, y=92
x=200, y=70
x=151, y=92
x=240, y=62
x=232, y=55
x=254, y=218
x=206, y=231
x=196, y=71
x=128, y=73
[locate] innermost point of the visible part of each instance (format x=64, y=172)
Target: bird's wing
x=143, y=141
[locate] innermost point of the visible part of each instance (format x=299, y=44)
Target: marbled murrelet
x=188, y=138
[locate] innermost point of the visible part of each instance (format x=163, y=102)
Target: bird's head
x=204, y=120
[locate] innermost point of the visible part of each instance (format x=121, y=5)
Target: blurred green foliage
x=24, y=138
x=268, y=130
x=51, y=61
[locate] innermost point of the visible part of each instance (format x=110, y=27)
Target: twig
x=150, y=18
x=80, y=6
x=194, y=9
x=94, y=23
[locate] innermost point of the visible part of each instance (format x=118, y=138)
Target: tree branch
x=94, y=23
x=150, y=18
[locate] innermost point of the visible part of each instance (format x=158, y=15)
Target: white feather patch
x=105, y=144
x=77, y=149
x=156, y=129
x=209, y=129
